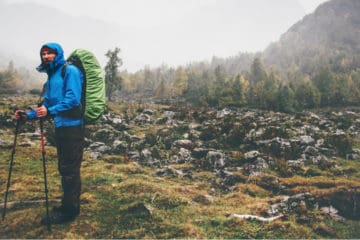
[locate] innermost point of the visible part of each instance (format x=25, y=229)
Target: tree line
x=208, y=85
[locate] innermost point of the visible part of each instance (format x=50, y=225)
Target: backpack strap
x=76, y=112
x=63, y=70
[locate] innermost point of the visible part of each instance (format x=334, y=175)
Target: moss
x=312, y=172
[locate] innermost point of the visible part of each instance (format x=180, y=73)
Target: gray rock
x=354, y=155
x=143, y=119
x=183, y=143
x=31, y=135
x=107, y=134
x=26, y=142
x=216, y=159
x=183, y=156
x=296, y=164
x=98, y=147
x=204, y=199
x=306, y=140
x=146, y=155
x=169, y=172
x=119, y=147
x=200, y=152
x=311, y=151
x=333, y=212
x=294, y=204
x=134, y=156
x=169, y=114
x=224, y=112
x=148, y=111
x=161, y=121
x=251, y=155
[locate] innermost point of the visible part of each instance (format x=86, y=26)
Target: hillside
x=315, y=63
x=329, y=36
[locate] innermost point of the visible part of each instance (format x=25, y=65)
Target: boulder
x=119, y=147
x=183, y=156
x=216, y=159
x=183, y=143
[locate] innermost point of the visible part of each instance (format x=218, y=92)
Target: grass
x=125, y=200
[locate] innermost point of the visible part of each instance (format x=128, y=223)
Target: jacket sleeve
x=73, y=89
x=31, y=115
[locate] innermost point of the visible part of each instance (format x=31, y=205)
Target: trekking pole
x=11, y=163
x=44, y=168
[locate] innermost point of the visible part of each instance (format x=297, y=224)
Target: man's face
x=47, y=56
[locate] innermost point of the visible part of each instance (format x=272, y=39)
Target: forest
x=212, y=85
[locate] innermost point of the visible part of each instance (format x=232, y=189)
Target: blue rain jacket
x=61, y=94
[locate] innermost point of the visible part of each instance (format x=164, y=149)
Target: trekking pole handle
x=20, y=115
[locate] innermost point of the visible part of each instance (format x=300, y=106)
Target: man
x=62, y=101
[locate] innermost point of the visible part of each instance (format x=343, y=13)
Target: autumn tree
x=161, y=90
x=180, y=81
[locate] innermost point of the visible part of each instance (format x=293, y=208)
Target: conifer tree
x=307, y=95
x=112, y=76
x=286, y=99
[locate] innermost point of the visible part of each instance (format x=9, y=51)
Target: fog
x=155, y=32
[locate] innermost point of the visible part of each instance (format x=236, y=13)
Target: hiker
x=62, y=102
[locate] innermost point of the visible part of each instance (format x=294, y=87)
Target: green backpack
x=93, y=98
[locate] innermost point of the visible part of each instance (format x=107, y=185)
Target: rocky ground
x=302, y=162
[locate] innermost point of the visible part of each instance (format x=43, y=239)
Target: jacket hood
x=58, y=61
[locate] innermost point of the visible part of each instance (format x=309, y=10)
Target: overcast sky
x=108, y=9
x=171, y=31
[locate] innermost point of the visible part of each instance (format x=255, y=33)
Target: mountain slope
x=331, y=35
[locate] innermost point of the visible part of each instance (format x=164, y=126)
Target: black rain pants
x=70, y=147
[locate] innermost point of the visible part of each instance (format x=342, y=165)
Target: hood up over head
x=58, y=61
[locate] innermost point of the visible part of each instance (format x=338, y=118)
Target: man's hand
x=20, y=114
x=41, y=111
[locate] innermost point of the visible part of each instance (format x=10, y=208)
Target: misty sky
x=171, y=31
